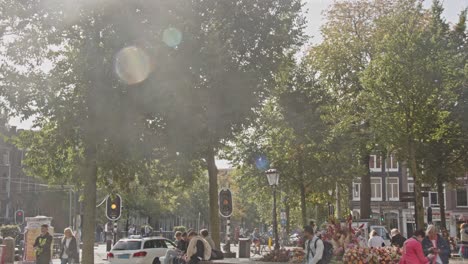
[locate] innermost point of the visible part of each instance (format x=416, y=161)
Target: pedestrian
x=131, y=230
x=198, y=249
x=397, y=239
x=236, y=235
x=435, y=247
x=68, y=248
x=413, y=251
x=148, y=230
x=42, y=246
x=99, y=230
x=375, y=241
x=312, y=224
x=361, y=238
x=464, y=240
x=314, y=246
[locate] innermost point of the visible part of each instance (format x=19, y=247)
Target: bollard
x=9, y=248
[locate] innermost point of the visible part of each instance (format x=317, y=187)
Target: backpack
x=327, y=251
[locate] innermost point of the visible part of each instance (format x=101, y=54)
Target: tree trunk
x=365, y=198
x=303, y=205
x=287, y=211
x=440, y=194
x=89, y=193
x=338, y=211
x=418, y=207
x=213, y=193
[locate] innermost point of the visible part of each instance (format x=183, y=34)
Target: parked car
x=139, y=250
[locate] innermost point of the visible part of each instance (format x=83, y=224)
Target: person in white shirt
x=314, y=246
x=375, y=241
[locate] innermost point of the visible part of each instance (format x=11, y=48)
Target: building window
x=433, y=199
x=462, y=198
x=391, y=163
x=356, y=191
x=411, y=189
x=375, y=163
x=392, y=189
x=376, y=189
x=5, y=158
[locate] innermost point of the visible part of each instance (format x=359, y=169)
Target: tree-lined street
x=364, y=127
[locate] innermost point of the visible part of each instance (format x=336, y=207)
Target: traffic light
x=429, y=215
x=19, y=217
x=225, y=202
x=382, y=217
x=114, y=207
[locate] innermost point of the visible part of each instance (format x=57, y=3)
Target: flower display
x=384, y=255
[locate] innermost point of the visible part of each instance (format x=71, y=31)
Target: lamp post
x=273, y=180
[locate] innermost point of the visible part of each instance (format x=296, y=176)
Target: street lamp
x=273, y=180
x=331, y=210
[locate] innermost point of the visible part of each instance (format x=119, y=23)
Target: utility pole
x=8, y=163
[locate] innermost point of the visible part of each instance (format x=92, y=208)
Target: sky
x=314, y=9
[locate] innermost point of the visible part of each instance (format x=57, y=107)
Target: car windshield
x=127, y=245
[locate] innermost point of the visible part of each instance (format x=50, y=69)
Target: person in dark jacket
x=435, y=247
x=42, y=246
x=397, y=239
x=68, y=248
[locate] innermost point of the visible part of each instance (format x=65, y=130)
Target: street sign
x=225, y=202
x=407, y=197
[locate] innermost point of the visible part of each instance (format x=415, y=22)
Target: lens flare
x=262, y=163
x=172, y=37
x=132, y=65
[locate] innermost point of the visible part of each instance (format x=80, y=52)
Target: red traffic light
x=19, y=217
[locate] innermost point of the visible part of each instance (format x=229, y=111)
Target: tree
x=403, y=91
x=108, y=100
x=346, y=51
x=58, y=68
x=226, y=63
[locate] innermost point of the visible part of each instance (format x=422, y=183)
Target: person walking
x=68, y=248
x=375, y=241
x=464, y=240
x=397, y=239
x=435, y=247
x=413, y=251
x=314, y=246
x=42, y=246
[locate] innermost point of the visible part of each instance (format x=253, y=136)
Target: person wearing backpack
x=314, y=246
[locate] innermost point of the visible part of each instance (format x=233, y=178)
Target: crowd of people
x=192, y=248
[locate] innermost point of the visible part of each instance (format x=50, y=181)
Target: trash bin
x=244, y=247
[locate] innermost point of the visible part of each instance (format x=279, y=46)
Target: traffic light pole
x=115, y=232
x=228, y=235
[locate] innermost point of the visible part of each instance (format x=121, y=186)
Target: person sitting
x=198, y=249
x=181, y=242
x=205, y=234
x=397, y=239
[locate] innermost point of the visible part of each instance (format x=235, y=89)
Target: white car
x=137, y=250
